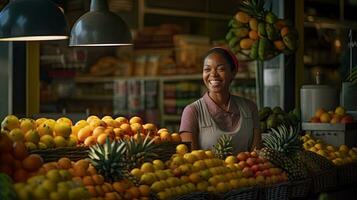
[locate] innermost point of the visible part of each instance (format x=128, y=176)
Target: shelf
x=93, y=97
x=91, y=79
x=171, y=117
x=318, y=22
x=182, y=13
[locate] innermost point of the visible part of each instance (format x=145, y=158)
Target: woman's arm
x=189, y=137
x=257, y=139
x=189, y=126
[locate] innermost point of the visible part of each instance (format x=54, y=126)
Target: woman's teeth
x=215, y=83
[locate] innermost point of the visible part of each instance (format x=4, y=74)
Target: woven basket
x=324, y=181
x=347, y=174
x=166, y=149
x=197, y=196
x=73, y=153
x=250, y=193
x=299, y=189
x=274, y=192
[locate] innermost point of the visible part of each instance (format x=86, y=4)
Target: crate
x=335, y=134
x=347, y=174
x=53, y=154
x=197, y=196
x=299, y=189
x=324, y=181
x=250, y=193
x=274, y=192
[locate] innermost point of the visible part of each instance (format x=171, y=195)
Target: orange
x=97, y=122
x=5, y=143
x=87, y=180
x=91, y=170
x=144, y=190
x=315, y=119
x=111, y=196
x=343, y=148
x=32, y=163
x=100, y=191
x=150, y=128
x=119, y=187
x=126, y=127
x=98, y=130
x=102, y=138
x=19, y=150
x=325, y=118
x=64, y=163
x=20, y=175
x=91, y=118
x=118, y=132
x=98, y=179
x=89, y=141
x=135, y=119
x=84, y=133
x=165, y=136
x=79, y=171
x=175, y=137
x=136, y=128
x=92, y=191
x=82, y=163
x=134, y=192
x=113, y=123
x=122, y=120
x=109, y=131
x=107, y=187
x=319, y=112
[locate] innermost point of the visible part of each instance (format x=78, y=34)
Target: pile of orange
x=129, y=191
x=338, y=115
x=15, y=160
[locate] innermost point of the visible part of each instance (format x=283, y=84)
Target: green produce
x=271, y=18
x=272, y=33
x=224, y=147
x=290, y=41
x=261, y=30
x=7, y=191
x=263, y=48
x=254, y=50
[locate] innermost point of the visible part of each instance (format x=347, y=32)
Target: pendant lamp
x=100, y=27
x=32, y=20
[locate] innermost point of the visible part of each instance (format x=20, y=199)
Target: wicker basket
x=324, y=181
x=73, y=153
x=347, y=174
x=274, y=192
x=166, y=149
x=299, y=189
x=197, y=196
x=250, y=193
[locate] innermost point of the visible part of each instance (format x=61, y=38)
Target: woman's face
x=217, y=73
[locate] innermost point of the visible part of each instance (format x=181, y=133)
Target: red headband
x=231, y=54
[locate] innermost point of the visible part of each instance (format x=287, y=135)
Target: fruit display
x=55, y=184
x=46, y=133
x=258, y=33
x=273, y=117
x=340, y=155
x=281, y=147
x=224, y=147
x=336, y=116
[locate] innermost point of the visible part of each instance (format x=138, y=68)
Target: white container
x=313, y=97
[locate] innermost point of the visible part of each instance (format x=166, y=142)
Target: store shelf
x=318, y=22
x=93, y=97
x=91, y=79
x=182, y=13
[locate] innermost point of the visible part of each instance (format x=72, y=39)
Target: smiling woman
x=218, y=112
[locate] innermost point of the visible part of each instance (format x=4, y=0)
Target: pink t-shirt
x=226, y=120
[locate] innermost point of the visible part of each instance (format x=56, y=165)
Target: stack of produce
x=338, y=155
x=272, y=118
x=7, y=190
x=336, y=116
x=258, y=33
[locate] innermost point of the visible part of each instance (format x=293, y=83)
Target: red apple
x=255, y=168
x=347, y=119
x=266, y=173
x=260, y=160
x=247, y=172
x=258, y=173
x=251, y=161
x=242, y=156
x=261, y=167
x=242, y=164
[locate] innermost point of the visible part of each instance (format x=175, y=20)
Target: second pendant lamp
x=100, y=27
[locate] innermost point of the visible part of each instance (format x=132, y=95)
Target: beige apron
x=209, y=132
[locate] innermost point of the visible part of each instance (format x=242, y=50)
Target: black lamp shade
x=26, y=20
x=100, y=27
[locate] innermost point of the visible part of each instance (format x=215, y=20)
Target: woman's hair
x=226, y=54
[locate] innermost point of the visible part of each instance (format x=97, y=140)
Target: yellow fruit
x=242, y=17
x=147, y=167
x=144, y=190
x=49, y=185
x=72, y=141
x=165, y=136
x=39, y=121
x=175, y=137
x=60, y=141
x=319, y=146
x=62, y=129
x=27, y=124
x=181, y=149
x=344, y=148
x=330, y=148
x=30, y=146
x=32, y=136
x=230, y=160
x=16, y=135
x=136, y=172
x=42, y=145
x=40, y=193
x=190, y=157
x=325, y=118
x=48, y=141
x=54, y=175
x=340, y=111
x=44, y=129
x=10, y=122
x=64, y=120
x=158, y=164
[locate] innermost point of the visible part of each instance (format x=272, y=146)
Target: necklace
x=224, y=106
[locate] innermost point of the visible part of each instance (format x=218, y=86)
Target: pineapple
x=314, y=162
x=281, y=148
x=254, y=8
x=109, y=161
x=224, y=147
x=139, y=151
